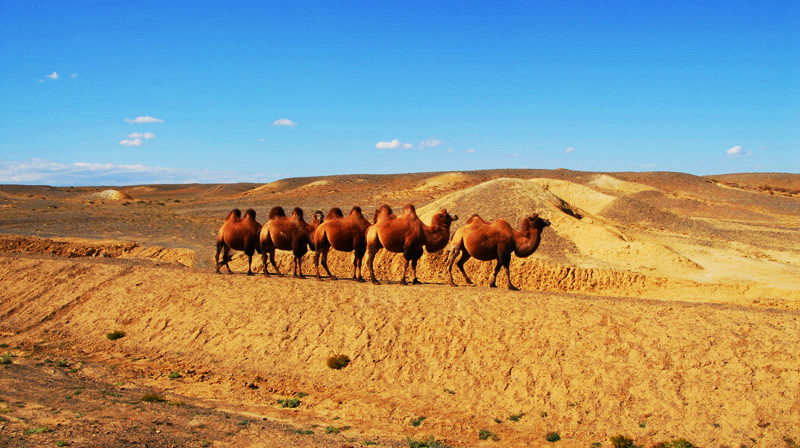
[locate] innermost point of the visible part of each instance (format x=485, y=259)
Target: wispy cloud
x=54, y=76
x=284, y=122
x=430, y=143
x=131, y=142
x=393, y=144
x=73, y=76
x=38, y=171
x=470, y=150
x=647, y=165
x=569, y=150
x=738, y=151
x=145, y=135
x=144, y=120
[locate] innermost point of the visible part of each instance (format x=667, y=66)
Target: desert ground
x=659, y=306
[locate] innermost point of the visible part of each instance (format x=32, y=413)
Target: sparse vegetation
x=552, y=437
x=303, y=432
x=37, y=430
x=290, y=403
x=3, y=345
x=152, y=398
x=301, y=394
x=485, y=434
x=790, y=443
x=430, y=442
x=338, y=362
x=620, y=441
x=114, y=335
x=418, y=421
x=450, y=391
x=5, y=359
x=677, y=443
x=61, y=363
x=369, y=443
x=62, y=443
x=335, y=429
x=5, y=410
x=516, y=417
x=543, y=414
x=642, y=424
x=177, y=404
x=175, y=375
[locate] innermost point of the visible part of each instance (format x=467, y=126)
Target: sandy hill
x=659, y=305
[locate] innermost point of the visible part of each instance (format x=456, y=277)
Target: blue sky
x=107, y=93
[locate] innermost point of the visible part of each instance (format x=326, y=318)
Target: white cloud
x=38, y=171
x=394, y=144
x=431, y=143
x=516, y=154
x=738, y=151
x=146, y=135
x=261, y=140
x=53, y=76
x=569, y=150
x=284, y=122
x=450, y=150
x=647, y=165
x=143, y=120
x=470, y=150
x=74, y=75
x=131, y=142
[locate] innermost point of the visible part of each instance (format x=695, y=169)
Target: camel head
x=534, y=221
x=443, y=218
x=319, y=218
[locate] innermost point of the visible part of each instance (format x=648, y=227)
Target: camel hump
x=235, y=214
x=476, y=218
x=251, y=213
x=385, y=209
x=410, y=209
x=335, y=212
x=297, y=213
x=356, y=210
x=276, y=212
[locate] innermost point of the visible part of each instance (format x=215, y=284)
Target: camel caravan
x=405, y=234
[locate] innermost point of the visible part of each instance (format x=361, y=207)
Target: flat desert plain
x=659, y=306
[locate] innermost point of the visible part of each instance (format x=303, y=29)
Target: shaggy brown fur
x=345, y=235
x=238, y=233
x=406, y=234
x=287, y=233
x=495, y=241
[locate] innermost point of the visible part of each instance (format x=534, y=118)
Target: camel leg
x=414, y=269
x=370, y=260
x=264, y=261
x=450, y=259
x=249, y=263
x=493, y=284
x=226, y=257
x=216, y=256
x=272, y=260
x=298, y=262
x=357, y=264
x=506, y=260
x=316, y=262
x=405, y=269
x=325, y=265
x=464, y=257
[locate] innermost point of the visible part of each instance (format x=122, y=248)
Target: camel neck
x=436, y=237
x=527, y=242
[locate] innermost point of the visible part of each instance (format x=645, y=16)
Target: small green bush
x=303, y=432
x=338, y=362
x=418, y=421
x=620, y=441
x=485, y=434
x=332, y=430
x=552, y=437
x=430, y=442
x=290, y=403
x=114, y=335
x=37, y=430
x=516, y=417
x=369, y=443
x=175, y=375
x=301, y=394
x=5, y=359
x=3, y=345
x=62, y=443
x=62, y=363
x=152, y=398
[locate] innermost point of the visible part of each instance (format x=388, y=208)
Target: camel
x=345, y=235
x=406, y=234
x=495, y=241
x=288, y=233
x=238, y=233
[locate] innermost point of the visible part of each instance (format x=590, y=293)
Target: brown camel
x=238, y=233
x=495, y=241
x=345, y=235
x=406, y=234
x=288, y=233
